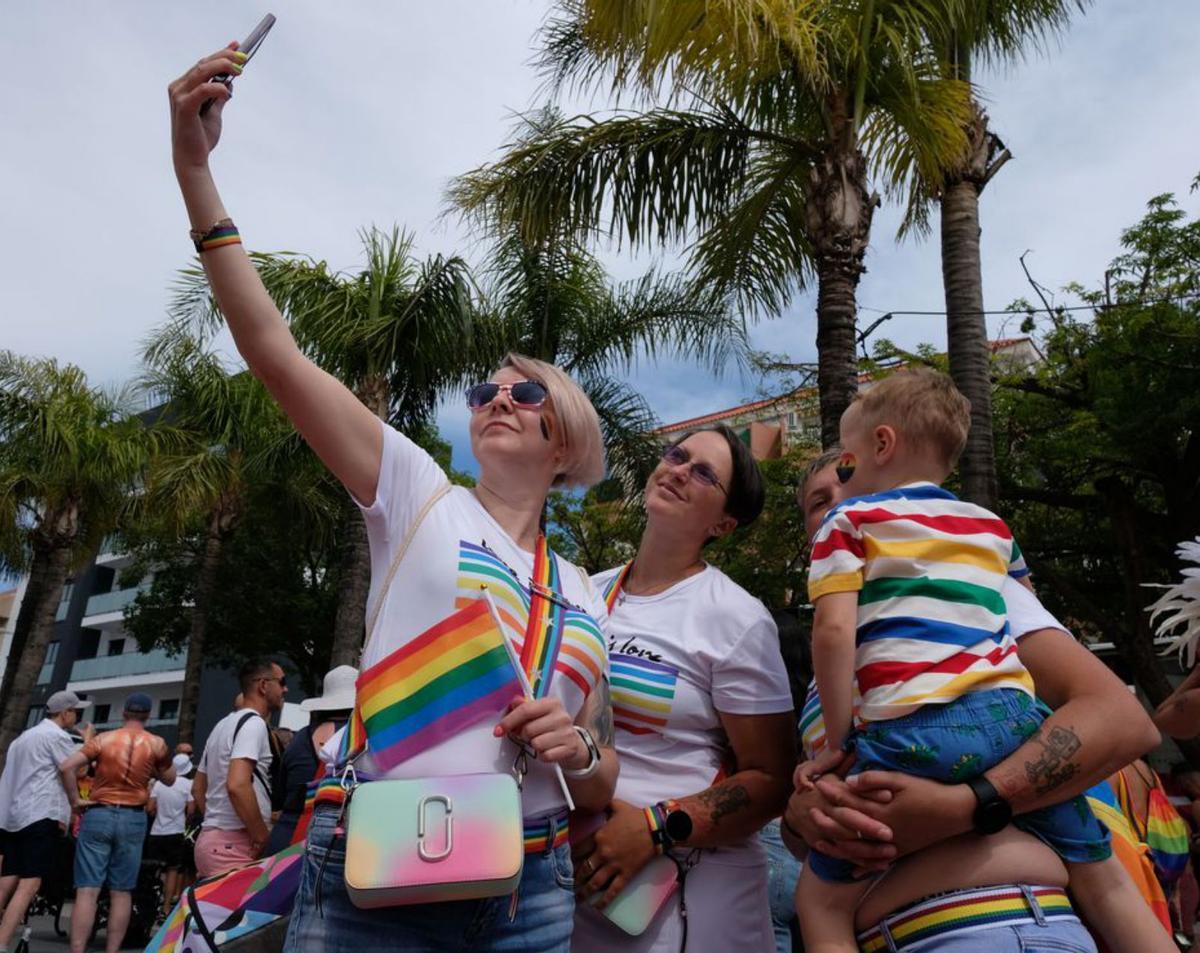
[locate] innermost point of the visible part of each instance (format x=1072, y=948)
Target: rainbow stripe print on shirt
x=582, y=653
x=448, y=678
x=642, y=693
x=927, y=569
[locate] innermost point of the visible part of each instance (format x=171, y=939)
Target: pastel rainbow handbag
x=638, y=903
x=434, y=839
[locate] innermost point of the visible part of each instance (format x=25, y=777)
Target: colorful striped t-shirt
x=927, y=566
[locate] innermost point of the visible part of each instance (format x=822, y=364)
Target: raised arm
x=340, y=429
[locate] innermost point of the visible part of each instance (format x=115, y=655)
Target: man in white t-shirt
x=232, y=785
x=170, y=805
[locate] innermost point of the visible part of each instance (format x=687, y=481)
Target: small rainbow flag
x=543, y=639
x=446, y=679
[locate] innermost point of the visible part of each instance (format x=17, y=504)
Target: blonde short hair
x=582, y=441
x=924, y=406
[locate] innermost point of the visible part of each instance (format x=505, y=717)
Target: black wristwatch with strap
x=992, y=812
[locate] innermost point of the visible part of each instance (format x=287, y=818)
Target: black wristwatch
x=669, y=824
x=992, y=813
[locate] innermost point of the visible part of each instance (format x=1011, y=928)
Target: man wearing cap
x=327, y=713
x=34, y=810
x=170, y=805
x=109, y=848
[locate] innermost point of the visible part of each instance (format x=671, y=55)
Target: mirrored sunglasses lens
x=481, y=395
x=528, y=392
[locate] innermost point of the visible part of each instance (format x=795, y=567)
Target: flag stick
x=525, y=686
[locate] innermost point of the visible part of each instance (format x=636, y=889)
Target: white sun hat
x=337, y=691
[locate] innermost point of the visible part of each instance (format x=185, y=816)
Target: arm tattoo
x=600, y=717
x=723, y=800
x=1053, y=767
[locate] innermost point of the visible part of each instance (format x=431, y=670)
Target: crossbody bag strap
x=399, y=555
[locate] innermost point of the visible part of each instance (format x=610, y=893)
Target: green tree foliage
x=1099, y=446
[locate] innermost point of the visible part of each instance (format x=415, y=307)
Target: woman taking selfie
x=435, y=550
x=703, y=712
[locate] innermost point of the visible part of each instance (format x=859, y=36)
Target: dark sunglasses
x=521, y=393
x=700, y=472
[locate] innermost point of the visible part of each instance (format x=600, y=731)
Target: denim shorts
x=958, y=741
x=544, y=919
x=109, y=848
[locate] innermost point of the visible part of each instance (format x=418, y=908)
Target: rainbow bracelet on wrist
x=656, y=820
x=222, y=233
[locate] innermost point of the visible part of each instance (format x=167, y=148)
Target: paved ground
x=44, y=937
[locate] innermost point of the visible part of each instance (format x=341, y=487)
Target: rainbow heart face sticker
x=845, y=467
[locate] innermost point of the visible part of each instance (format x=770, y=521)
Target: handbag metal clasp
x=422, y=852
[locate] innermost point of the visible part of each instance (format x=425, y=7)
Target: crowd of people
x=968, y=777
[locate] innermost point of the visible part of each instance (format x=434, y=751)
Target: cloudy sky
x=358, y=113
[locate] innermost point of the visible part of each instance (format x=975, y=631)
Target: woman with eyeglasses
x=703, y=715
x=531, y=428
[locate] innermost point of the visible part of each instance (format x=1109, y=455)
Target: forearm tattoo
x=1053, y=767
x=600, y=720
x=723, y=800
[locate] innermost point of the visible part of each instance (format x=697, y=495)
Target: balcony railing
x=114, y=601
x=150, y=723
x=130, y=663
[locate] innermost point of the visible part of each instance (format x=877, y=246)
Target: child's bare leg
x=827, y=913
x=1113, y=907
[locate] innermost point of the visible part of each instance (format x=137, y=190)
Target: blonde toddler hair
x=924, y=406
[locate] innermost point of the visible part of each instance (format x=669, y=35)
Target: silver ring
x=587, y=864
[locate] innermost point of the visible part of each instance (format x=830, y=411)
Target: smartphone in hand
x=249, y=46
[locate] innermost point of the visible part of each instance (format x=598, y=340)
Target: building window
x=116, y=647
x=47, y=671
x=36, y=714
x=168, y=709
x=100, y=716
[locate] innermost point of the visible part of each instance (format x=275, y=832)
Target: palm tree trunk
x=966, y=325
x=838, y=214
x=206, y=583
x=353, y=587
x=35, y=626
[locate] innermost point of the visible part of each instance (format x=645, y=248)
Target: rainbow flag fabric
x=544, y=637
x=448, y=678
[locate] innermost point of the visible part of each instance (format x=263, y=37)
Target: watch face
x=991, y=817
x=679, y=826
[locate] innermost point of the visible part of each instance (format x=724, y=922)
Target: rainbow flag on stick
x=448, y=678
x=539, y=651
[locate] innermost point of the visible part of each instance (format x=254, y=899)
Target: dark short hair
x=253, y=670
x=746, y=495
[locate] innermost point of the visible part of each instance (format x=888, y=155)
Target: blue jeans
x=783, y=872
x=958, y=741
x=543, y=923
x=109, y=847
x=1069, y=936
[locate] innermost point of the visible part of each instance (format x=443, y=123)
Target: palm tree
x=232, y=440
x=400, y=333
x=552, y=299
x=70, y=456
x=774, y=116
x=994, y=31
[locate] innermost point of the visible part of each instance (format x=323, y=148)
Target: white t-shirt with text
x=678, y=659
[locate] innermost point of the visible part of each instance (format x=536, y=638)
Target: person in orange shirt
x=109, y=848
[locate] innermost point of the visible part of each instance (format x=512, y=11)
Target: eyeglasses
x=282, y=680
x=521, y=393
x=700, y=472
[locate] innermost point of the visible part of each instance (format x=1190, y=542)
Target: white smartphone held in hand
x=249, y=46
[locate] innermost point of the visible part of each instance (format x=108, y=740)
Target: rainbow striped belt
x=966, y=910
x=543, y=834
